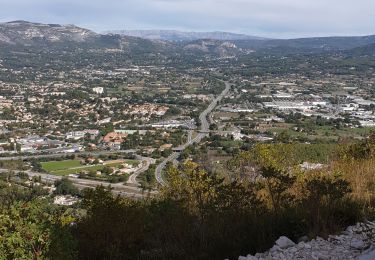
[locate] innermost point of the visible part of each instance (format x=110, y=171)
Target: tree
x=65, y=187
x=107, y=170
x=277, y=183
x=173, y=111
x=27, y=231
x=166, y=152
x=283, y=137
x=113, y=227
x=325, y=200
x=213, y=127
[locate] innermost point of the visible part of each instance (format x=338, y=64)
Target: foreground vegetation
x=199, y=215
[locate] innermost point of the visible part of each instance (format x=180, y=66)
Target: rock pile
x=351, y=244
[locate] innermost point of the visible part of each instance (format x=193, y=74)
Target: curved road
x=128, y=189
x=146, y=162
x=204, y=128
x=117, y=188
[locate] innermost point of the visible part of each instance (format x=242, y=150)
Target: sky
x=266, y=18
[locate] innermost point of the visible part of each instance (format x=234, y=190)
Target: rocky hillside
x=27, y=37
x=16, y=35
x=19, y=34
x=356, y=242
x=215, y=47
x=26, y=33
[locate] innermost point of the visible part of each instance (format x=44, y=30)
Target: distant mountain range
x=16, y=34
x=176, y=36
x=323, y=43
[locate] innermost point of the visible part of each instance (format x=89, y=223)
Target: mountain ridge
x=50, y=36
x=24, y=33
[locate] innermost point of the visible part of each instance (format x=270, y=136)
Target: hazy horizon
x=267, y=18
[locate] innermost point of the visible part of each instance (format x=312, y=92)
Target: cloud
x=276, y=18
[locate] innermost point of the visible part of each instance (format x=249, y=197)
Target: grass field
x=63, y=168
x=60, y=165
x=65, y=172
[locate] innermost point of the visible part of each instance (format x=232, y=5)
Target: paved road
x=204, y=128
x=190, y=136
x=57, y=155
x=146, y=162
x=161, y=166
x=117, y=188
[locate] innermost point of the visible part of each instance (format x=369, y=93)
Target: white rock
x=349, y=245
x=275, y=248
x=357, y=244
x=284, y=242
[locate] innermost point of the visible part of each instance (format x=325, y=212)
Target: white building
x=65, y=200
x=367, y=123
x=287, y=105
x=98, y=90
x=75, y=135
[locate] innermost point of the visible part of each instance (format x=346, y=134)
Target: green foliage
x=10, y=194
x=166, y=152
x=113, y=227
x=65, y=186
x=326, y=204
x=12, y=165
x=359, y=150
x=277, y=183
x=283, y=137
x=147, y=178
x=281, y=156
x=27, y=231
x=198, y=215
x=173, y=111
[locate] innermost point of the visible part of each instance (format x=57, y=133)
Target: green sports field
x=60, y=165
x=64, y=168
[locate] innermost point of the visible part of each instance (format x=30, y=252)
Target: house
x=165, y=147
x=75, y=135
x=117, y=137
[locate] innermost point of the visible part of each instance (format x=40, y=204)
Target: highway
x=57, y=155
x=117, y=188
x=146, y=162
x=161, y=166
x=204, y=129
x=130, y=189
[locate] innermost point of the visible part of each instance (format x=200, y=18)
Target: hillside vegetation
x=198, y=215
